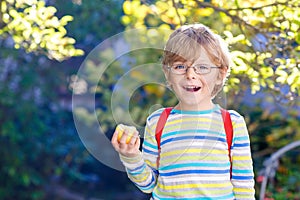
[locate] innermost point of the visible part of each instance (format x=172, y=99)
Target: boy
x=192, y=161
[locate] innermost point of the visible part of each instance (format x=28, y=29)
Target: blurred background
x=44, y=43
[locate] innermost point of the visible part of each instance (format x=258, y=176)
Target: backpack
x=227, y=126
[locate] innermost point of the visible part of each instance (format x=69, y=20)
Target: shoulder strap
x=159, y=129
x=161, y=124
x=229, y=133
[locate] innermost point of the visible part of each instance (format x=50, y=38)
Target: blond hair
x=185, y=43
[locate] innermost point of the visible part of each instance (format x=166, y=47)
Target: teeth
x=190, y=87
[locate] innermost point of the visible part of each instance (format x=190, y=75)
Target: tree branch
x=176, y=9
x=261, y=7
x=233, y=17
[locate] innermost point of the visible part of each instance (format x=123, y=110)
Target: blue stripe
x=149, y=145
x=149, y=185
x=230, y=196
x=241, y=138
x=156, y=172
x=150, y=152
x=189, y=131
x=242, y=177
x=192, y=137
x=195, y=112
x=242, y=171
x=195, y=172
x=160, y=198
x=241, y=145
x=195, y=165
x=137, y=170
x=234, y=114
x=155, y=115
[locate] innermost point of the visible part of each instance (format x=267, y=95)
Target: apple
x=129, y=131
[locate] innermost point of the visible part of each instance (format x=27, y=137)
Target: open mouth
x=192, y=88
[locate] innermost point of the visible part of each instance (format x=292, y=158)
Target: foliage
x=264, y=36
x=34, y=27
x=35, y=145
x=40, y=147
x=286, y=183
x=265, y=54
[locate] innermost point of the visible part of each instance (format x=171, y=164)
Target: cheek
x=173, y=80
x=211, y=81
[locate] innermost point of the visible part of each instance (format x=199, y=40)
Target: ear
x=166, y=73
x=167, y=76
x=221, y=76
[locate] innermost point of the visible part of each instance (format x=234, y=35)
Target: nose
x=190, y=73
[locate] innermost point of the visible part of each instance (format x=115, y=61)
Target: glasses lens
x=202, y=69
x=179, y=69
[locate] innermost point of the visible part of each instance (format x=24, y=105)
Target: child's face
x=194, y=90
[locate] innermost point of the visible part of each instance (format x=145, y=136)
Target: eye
x=202, y=67
x=179, y=67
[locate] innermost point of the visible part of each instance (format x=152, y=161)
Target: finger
x=114, y=137
x=123, y=147
x=134, y=137
x=123, y=139
x=137, y=143
x=114, y=140
x=115, y=144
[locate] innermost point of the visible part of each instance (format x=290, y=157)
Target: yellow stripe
x=203, y=185
x=239, y=132
x=185, y=151
x=247, y=190
x=141, y=178
x=242, y=158
x=240, y=165
x=246, y=196
x=151, y=164
x=189, y=126
x=239, y=125
x=192, y=192
x=149, y=129
x=193, y=158
x=191, y=120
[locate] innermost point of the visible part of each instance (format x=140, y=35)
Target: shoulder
x=235, y=115
x=236, y=118
x=152, y=120
x=153, y=117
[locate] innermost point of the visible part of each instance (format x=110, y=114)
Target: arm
x=140, y=166
x=242, y=169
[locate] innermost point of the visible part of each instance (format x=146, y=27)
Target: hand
x=126, y=141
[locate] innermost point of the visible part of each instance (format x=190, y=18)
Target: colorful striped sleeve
x=242, y=168
x=142, y=169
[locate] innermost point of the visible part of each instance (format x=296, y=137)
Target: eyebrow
x=205, y=64
x=178, y=62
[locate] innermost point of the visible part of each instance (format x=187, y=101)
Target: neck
x=198, y=107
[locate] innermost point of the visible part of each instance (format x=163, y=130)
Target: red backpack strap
x=229, y=133
x=161, y=124
x=160, y=127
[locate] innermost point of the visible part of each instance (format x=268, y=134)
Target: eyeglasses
x=199, y=68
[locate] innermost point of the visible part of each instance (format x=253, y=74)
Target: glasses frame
x=171, y=68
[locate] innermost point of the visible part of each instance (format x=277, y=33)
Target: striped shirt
x=194, y=161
